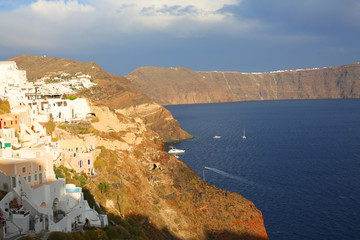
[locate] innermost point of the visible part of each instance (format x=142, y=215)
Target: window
x=25, y=178
x=29, y=178
x=13, y=181
x=39, y=167
x=88, y=161
x=24, y=170
x=35, y=177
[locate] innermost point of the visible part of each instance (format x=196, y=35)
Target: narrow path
x=227, y=83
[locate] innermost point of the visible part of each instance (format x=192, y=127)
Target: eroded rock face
x=184, y=86
x=165, y=193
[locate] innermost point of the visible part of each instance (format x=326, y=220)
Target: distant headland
x=179, y=85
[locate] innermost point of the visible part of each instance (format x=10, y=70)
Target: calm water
x=300, y=163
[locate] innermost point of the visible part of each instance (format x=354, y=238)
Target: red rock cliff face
x=183, y=86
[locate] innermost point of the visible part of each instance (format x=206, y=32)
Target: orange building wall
x=10, y=120
x=32, y=169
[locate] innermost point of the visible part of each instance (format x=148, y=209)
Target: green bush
x=59, y=236
x=90, y=199
x=96, y=234
x=59, y=173
x=106, y=158
x=4, y=106
x=95, y=119
x=71, y=97
x=117, y=232
x=50, y=127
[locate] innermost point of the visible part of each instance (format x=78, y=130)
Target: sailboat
x=244, y=137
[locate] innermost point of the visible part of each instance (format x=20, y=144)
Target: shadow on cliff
x=142, y=223
x=139, y=227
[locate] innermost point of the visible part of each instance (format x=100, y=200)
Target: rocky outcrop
x=184, y=86
x=163, y=192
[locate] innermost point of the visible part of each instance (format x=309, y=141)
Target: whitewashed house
x=56, y=206
x=13, y=83
x=35, y=199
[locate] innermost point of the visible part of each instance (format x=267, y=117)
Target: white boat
x=174, y=150
x=244, y=137
x=217, y=137
x=177, y=156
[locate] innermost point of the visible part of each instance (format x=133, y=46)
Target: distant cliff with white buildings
x=180, y=85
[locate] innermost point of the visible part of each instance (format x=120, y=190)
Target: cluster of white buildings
x=64, y=83
x=33, y=199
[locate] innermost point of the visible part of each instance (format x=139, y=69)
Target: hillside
x=150, y=194
x=184, y=86
x=114, y=91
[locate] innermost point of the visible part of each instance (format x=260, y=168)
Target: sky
x=204, y=35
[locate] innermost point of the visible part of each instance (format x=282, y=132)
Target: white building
x=13, y=83
x=51, y=207
x=35, y=199
x=61, y=110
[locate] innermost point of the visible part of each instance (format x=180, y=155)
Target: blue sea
x=300, y=162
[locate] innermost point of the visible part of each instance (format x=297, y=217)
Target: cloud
x=61, y=27
x=307, y=15
x=43, y=24
x=59, y=9
x=171, y=16
x=55, y=23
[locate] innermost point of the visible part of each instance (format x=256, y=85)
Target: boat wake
x=225, y=174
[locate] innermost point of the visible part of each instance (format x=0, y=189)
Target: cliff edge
x=179, y=85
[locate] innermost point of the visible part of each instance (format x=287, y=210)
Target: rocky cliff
x=184, y=86
x=162, y=192
x=151, y=195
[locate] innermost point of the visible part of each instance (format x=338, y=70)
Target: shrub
x=96, y=234
x=71, y=97
x=117, y=232
x=50, y=127
x=90, y=199
x=59, y=173
x=95, y=119
x=59, y=236
x=105, y=158
x=4, y=106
